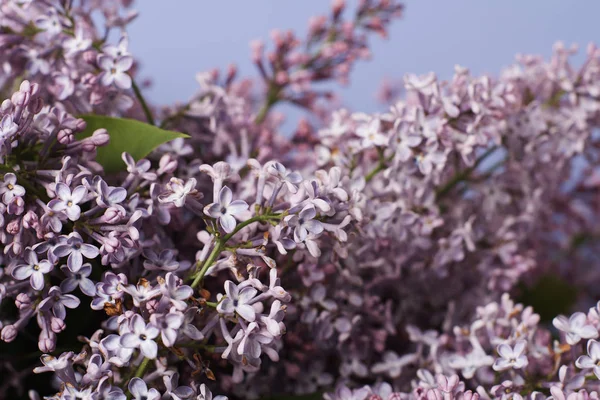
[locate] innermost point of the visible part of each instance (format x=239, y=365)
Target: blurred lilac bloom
x=576, y=327
x=115, y=71
x=592, y=359
x=511, y=357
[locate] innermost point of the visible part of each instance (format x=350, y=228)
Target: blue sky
x=174, y=43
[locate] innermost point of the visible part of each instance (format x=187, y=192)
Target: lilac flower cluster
x=368, y=258
x=503, y=353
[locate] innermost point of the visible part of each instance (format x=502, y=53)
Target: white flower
x=511, y=357
x=592, y=360
x=371, y=134
x=576, y=327
x=115, y=71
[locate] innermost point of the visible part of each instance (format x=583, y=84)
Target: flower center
x=69, y=203
x=10, y=186
x=143, y=337
x=113, y=71
x=36, y=267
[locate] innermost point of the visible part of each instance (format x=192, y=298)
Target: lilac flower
x=78, y=279
x=139, y=390
x=164, y=261
x=576, y=327
x=168, y=325
x=511, y=357
x=175, y=292
x=142, y=292
x=141, y=336
x=592, y=359
x=115, y=70
x=68, y=201
x=204, y=393
x=76, y=249
x=9, y=188
x=57, y=301
x=178, y=191
x=237, y=301
x=33, y=269
x=371, y=134
x=7, y=129
x=225, y=209
x=61, y=366
x=174, y=390
x=304, y=223
x=290, y=179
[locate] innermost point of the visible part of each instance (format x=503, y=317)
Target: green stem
x=463, y=175
x=272, y=98
x=139, y=96
x=220, y=244
x=380, y=166
x=142, y=368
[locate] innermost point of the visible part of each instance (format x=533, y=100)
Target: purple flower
x=225, y=210
x=168, y=326
x=33, y=269
x=57, y=301
x=592, y=359
x=141, y=337
x=78, y=279
x=9, y=188
x=576, y=327
x=511, y=357
x=115, y=70
x=138, y=389
x=175, y=292
x=304, y=223
x=76, y=249
x=178, y=191
x=290, y=179
x=7, y=129
x=204, y=393
x=237, y=301
x=68, y=201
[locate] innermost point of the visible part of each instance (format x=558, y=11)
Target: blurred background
x=174, y=43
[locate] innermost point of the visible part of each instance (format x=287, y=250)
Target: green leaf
x=126, y=135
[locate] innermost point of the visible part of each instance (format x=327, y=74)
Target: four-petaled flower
x=304, y=223
x=68, y=201
x=592, y=360
x=9, y=188
x=237, y=301
x=225, y=209
x=576, y=327
x=142, y=336
x=76, y=249
x=511, y=357
x=115, y=70
x=33, y=269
